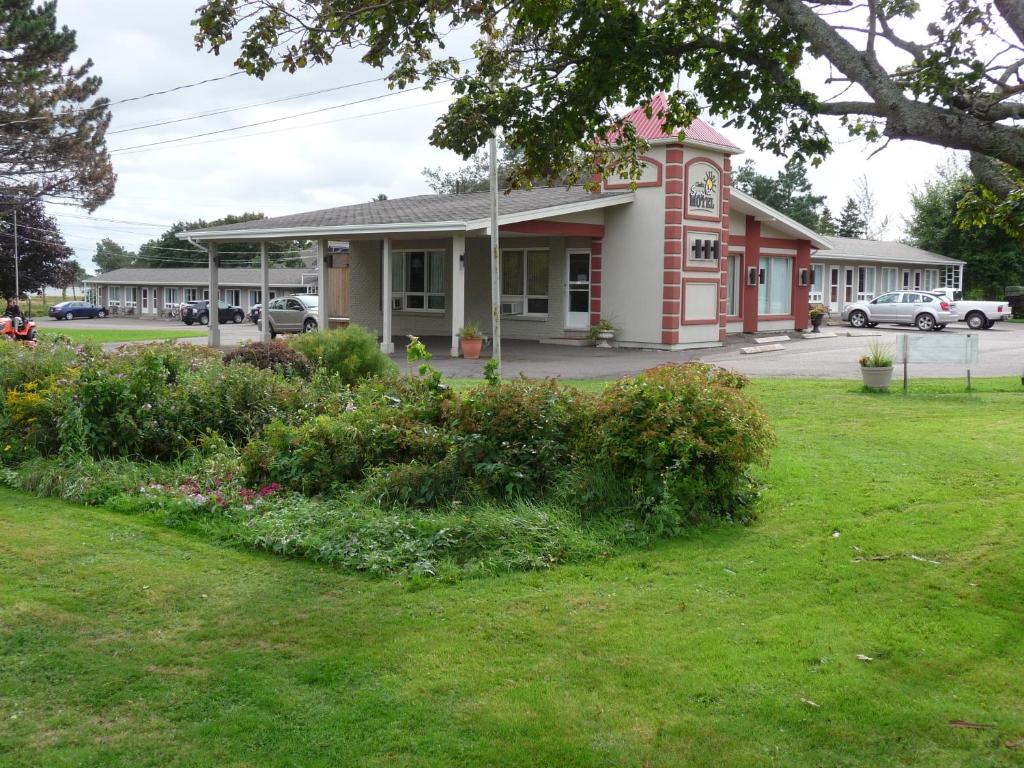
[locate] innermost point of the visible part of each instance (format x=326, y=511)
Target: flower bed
x=381, y=473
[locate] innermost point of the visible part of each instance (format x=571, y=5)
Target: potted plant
x=817, y=314
x=603, y=332
x=472, y=341
x=876, y=366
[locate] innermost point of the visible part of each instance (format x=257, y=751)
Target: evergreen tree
x=789, y=191
x=851, y=220
x=51, y=129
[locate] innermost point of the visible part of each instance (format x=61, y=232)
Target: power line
x=226, y=110
x=268, y=122
x=287, y=128
x=109, y=104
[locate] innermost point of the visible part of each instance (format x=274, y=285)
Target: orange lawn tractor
x=23, y=331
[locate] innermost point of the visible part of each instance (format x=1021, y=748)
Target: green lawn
x=891, y=527
x=112, y=335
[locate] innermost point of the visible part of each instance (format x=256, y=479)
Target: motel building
x=677, y=260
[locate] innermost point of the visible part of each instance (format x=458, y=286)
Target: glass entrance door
x=578, y=285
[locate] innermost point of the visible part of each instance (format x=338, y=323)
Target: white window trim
x=525, y=297
x=171, y=296
x=131, y=290
x=189, y=294
x=425, y=309
x=866, y=295
x=813, y=296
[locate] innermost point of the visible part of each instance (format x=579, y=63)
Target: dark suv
x=199, y=312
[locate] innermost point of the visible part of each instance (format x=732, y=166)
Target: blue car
x=69, y=310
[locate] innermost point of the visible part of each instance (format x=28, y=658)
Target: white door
x=577, y=315
x=145, y=301
x=833, y=289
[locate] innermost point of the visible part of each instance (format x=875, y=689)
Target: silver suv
x=293, y=314
x=925, y=311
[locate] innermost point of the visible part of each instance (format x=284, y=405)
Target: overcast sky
x=346, y=154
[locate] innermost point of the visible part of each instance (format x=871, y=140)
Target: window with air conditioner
x=524, y=281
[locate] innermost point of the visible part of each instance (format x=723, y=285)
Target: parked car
x=925, y=311
x=254, y=313
x=199, y=312
x=299, y=313
x=977, y=314
x=69, y=310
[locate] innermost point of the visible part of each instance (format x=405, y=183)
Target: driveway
x=828, y=357
x=1001, y=353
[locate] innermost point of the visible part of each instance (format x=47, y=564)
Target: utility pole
x=495, y=259
x=17, y=283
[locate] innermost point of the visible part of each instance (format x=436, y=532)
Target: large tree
x=43, y=256
x=789, y=191
x=553, y=74
x=168, y=250
x=994, y=259
x=112, y=255
x=52, y=129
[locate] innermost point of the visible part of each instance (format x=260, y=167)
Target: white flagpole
x=495, y=259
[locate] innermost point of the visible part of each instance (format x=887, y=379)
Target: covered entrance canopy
x=436, y=229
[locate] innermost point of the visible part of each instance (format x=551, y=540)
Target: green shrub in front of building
x=363, y=458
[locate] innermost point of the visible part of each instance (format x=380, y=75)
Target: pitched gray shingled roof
x=227, y=277
x=471, y=206
x=846, y=248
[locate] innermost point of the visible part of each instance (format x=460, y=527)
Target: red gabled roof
x=650, y=128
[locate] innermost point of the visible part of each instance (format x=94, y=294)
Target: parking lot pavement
x=1001, y=353
x=231, y=335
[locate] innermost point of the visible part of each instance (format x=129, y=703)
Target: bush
x=515, y=437
x=351, y=353
x=679, y=440
x=387, y=421
x=272, y=356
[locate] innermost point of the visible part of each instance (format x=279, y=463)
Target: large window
x=130, y=296
x=865, y=283
x=114, y=296
x=735, y=287
x=889, y=276
x=417, y=281
x=232, y=296
x=775, y=293
x=171, y=297
x=931, y=279
x=524, y=282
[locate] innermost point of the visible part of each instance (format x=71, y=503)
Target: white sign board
x=937, y=348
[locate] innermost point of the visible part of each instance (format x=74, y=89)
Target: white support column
x=264, y=292
x=458, y=289
x=213, y=338
x=386, y=344
x=323, y=300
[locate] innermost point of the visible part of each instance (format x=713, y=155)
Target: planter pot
x=876, y=378
x=471, y=348
x=816, y=323
x=604, y=339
